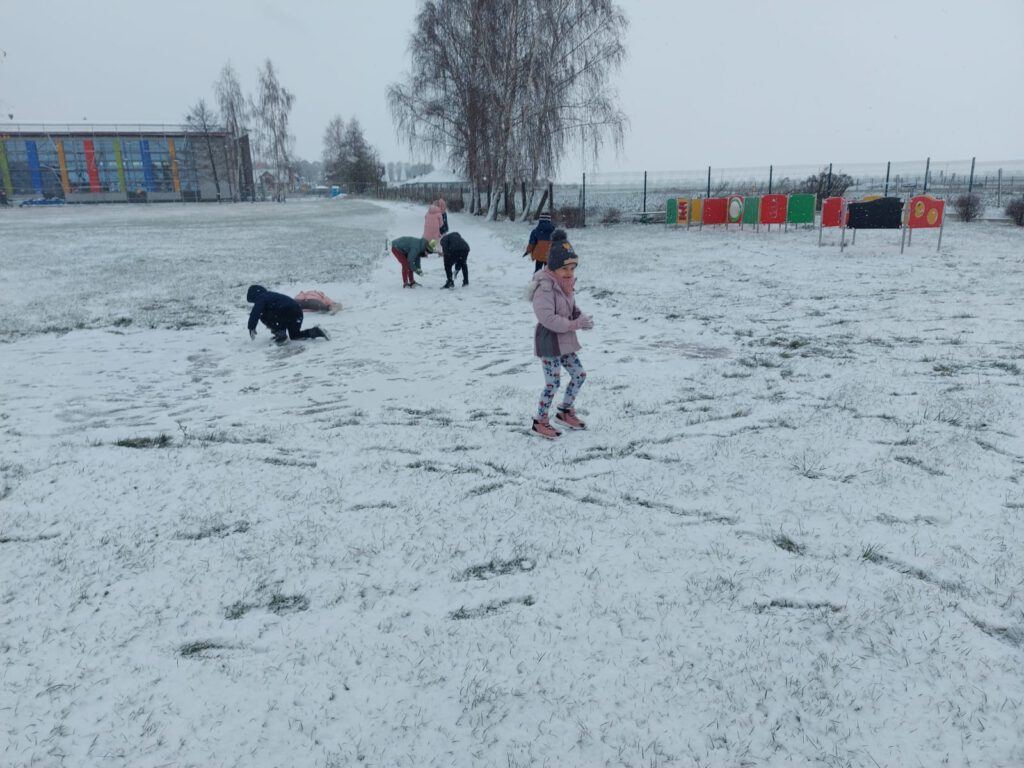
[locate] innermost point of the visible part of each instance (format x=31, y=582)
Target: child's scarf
x=566, y=283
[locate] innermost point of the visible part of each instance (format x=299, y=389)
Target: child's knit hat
x=561, y=251
x=544, y=217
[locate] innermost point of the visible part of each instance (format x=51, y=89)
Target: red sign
x=716, y=210
x=832, y=212
x=682, y=210
x=773, y=209
x=925, y=211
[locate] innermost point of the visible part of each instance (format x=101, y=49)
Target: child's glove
x=418, y=271
x=252, y=334
x=584, y=322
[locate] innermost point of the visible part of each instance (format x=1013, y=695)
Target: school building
x=111, y=163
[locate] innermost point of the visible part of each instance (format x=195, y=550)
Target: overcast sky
x=744, y=83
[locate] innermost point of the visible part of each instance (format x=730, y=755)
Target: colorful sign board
x=800, y=208
x=751, y=209
x=832, y=212
x=734, y=209
x=696, y=208
x=881, y=213
x=683, y=210
x=925, y=211
x=773, y=209
x=715, y=210
x=677, y=211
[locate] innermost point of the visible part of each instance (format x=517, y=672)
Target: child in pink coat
x=435, y=223
x=555, y=343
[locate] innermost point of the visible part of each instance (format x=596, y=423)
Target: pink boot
x=542, y=428
x=567, y=418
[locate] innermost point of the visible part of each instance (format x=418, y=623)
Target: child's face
x=566, y=270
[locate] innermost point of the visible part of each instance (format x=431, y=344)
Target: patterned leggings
x=552, y=379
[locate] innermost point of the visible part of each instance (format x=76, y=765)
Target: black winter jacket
x=453, y=243
x=264, y=301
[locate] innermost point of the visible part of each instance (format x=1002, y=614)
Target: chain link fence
x=641, y=196
x=623, y=196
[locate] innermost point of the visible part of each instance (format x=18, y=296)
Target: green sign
x=751, y=207
x=801, y=209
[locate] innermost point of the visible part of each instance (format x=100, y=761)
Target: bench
x=656, y=216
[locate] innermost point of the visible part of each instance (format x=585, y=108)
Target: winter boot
x=280, y=337
x=542, y=428
x=316, y=332
x=449, y=284
x=567, y=418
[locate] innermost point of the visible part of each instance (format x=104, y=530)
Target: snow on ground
x=791, y=535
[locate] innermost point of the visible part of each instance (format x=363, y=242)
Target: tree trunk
x=213, y=166
x=543, y=201
x=510, y=202
x=492, y=205
x=528, y=205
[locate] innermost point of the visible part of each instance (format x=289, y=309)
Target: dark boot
x=449, y=284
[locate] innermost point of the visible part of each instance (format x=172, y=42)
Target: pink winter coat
x=432, y=223
x=316, y=301
x=557, y=313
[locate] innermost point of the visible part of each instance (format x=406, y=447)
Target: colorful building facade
x=93, y=164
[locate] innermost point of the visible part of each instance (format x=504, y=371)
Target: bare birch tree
x=203, y=119
x=334, y=144
x=272, y=109
x=234, y=112
x=503, y=88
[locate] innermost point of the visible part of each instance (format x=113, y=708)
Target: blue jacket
x=540, y=241
x=268, y=301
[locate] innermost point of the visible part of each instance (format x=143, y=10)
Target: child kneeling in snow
x=281, y=314
x=555, y=343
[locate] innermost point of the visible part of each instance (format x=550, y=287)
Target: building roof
x=436, y=176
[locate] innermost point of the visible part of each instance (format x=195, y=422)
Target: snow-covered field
x=791, y=536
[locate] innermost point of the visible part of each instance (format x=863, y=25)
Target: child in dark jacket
x=540, y=242
x=281, y=314
x=456, y=252
x=555, y=343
